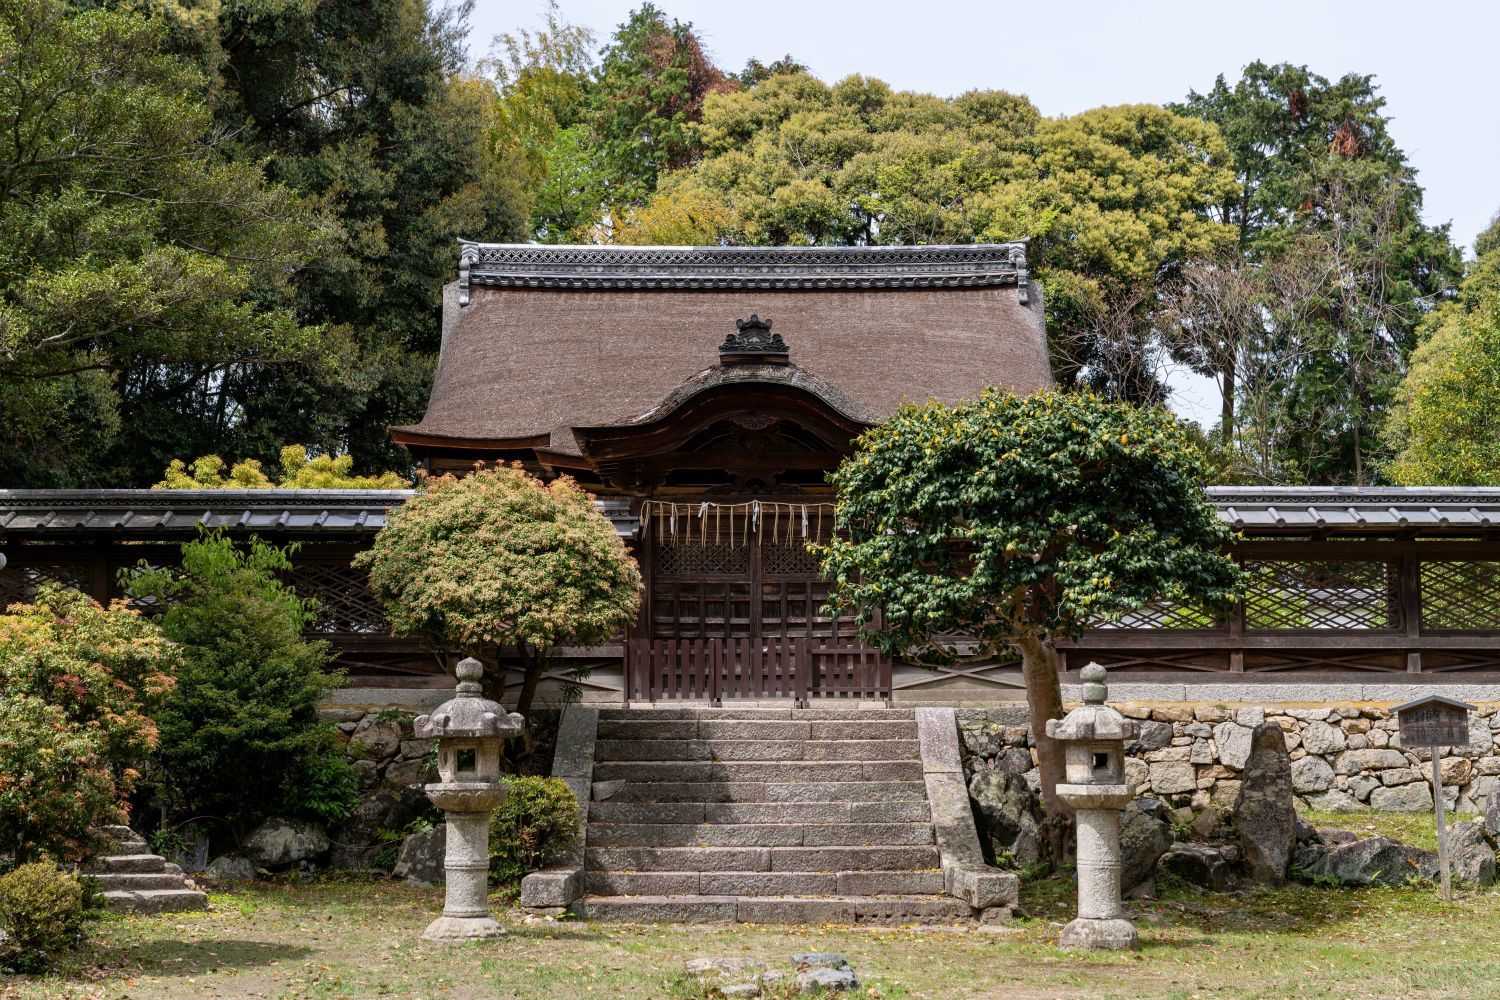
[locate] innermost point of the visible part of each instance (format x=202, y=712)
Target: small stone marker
x=1435, y=722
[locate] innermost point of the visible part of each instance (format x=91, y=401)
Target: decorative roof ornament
x=754, y=344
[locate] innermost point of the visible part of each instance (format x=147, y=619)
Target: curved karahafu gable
x=538, y=340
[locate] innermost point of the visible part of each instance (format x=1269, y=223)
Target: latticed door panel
x=19, y=584
x=794, y=608
x=1460, y=596
x=1323, y=594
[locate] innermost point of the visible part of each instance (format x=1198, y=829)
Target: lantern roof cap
x=468, y=714
x=1093, y=720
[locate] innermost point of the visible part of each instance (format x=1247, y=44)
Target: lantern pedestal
x=1100, y=924
x=466, y=807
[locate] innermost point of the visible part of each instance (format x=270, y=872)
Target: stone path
x=763, y=816
x=135, y=880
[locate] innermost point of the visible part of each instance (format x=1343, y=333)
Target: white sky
x=1435, y=63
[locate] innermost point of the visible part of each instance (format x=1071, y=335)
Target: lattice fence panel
x=1162, y=614
x=19, y=584
x=1460, y=595
x=781, y=559
x=1323, y=594
x=696, y=558
x=345, y=603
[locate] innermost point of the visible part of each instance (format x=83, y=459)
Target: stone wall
x=1346, y=756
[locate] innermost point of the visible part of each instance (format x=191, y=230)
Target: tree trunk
x=536, y=665
x=1226, y=411
x=1043, y=702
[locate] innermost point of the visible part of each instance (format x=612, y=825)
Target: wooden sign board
x=1434, y=722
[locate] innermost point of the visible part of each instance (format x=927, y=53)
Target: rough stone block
x=982, y=888
x=551, y=887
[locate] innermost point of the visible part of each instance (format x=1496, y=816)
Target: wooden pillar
x=1410, y=581
x=1237, y=633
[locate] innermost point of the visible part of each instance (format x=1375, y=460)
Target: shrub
x=535, y=826
x=500, y=558
x=247, y=697
x=298, y=472
x=42, y=912
x=78, y=687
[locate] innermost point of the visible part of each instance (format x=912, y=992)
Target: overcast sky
x=1435, y=63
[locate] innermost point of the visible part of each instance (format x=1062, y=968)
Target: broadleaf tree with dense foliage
x=136, y=245
x=1444, y=429
x=247, y=693
x=81, y=688
x=499, y=559
x=1111, y=199
x=1018, y=521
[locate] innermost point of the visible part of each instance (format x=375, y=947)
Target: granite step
x=735, y=883
x=650, y=748
x=125, y=881
x=773, y=791
x=779, y=712
x=156, y=900
x=760, y=859
x=805, y=813
x=884, y=910
x=758, y=834
x=771, y=771
x=143, y=864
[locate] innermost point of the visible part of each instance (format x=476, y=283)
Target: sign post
x=1435, y=722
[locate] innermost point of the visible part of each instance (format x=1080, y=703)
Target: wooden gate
x=737, y=668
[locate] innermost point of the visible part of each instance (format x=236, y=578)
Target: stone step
x=156, y=900
x=778, y=910
x=865, y=883
x=759, y=859
x=761, y=791
x=780, y=770
x=144, y=864
x=806, y=813
x=123, y=881
x=778, y=712
x=693, y=749
x=758, y=834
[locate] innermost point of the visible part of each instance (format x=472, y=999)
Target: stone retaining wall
x=1346, y=756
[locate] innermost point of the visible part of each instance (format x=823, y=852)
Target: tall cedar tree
x=1327, y=215
x=1018, y=521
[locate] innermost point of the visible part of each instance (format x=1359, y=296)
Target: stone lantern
x=1093, y=737
x=468, y=729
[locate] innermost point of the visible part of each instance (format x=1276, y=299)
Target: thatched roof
x=538, y=340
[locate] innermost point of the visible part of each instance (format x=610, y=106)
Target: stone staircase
x=135, y=880
x=760, y=815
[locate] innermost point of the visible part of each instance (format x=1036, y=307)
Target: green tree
x=1018, y=521
x=246, y=700
x=1445, y=427
x=133, y=245
x=79, y=687
x=368, y=110
x=499, y=559
x=651, y=85
x=1112, y=200
x=1327, y=214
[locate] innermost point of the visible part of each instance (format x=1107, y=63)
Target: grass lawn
x=359, y=939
